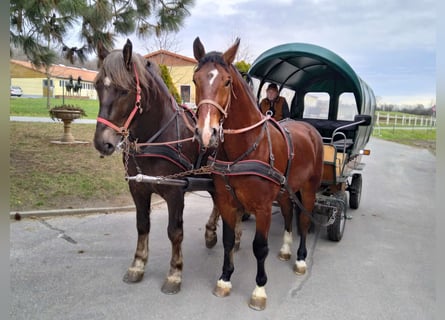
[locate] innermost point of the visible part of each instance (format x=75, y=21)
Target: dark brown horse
x=138, y=114
x=258, y=161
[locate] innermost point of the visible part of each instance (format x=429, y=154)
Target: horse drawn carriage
x=324, y=91
x=254, y=160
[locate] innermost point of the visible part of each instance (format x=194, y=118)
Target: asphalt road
x=71, y=267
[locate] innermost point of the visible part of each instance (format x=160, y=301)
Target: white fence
x=385, y=119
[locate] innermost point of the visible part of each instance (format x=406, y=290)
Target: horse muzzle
x=207, y=137
x=106, y=141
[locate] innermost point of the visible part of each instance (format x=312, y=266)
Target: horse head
x=213, y=84
x=118, y=85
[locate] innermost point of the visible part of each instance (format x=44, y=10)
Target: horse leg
x=210, y=233
x=135, y=272
x=238, y=231
x=304, y=223
x=223, y=286
x=287, y=211
x=175, y=203
x=211, y=226
x=261, y=250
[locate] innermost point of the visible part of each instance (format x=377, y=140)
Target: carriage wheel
x=355, y=191
x=335, y=230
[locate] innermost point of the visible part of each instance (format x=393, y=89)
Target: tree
x=39, y=26
x=165, y=75
x=242, y=66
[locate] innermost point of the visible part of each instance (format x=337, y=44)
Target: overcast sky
x=391, y=44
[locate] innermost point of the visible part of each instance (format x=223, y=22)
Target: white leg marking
x=224, y=284
x=138, y=266
x=300, y=264
x=212, y=76
x=176, y=278
x=287, y=241
x=259, y=292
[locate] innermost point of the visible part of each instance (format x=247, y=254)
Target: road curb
x=17, y=215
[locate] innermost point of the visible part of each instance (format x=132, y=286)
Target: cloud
x=390, y=44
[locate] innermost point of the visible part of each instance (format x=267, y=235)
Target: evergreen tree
x=165, y=74
x=41, y=26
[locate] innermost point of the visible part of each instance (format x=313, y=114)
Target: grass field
x=44, y=175
x=423, y=137
x=36, y=107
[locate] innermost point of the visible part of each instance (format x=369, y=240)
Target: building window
x=45, y=83
x=185, y=93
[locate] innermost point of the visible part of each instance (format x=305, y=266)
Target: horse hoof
x=171, y=287
x=257, y=303
x=258, y=298
x=222, y=289
x=133, y=276
x=284, y=256
x=300, y=267
x=211, y=241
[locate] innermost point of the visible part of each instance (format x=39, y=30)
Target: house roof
x=170, y=58
x=56, y=70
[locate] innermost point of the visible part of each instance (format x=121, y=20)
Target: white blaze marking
x=213, y=75
x=206, y=131
x=107, y=81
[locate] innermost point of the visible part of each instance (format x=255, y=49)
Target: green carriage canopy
x=304, y=67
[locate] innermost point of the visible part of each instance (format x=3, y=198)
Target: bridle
x=224, y=112
x=137, y=107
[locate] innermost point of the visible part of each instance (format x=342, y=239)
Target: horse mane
x=113, y=67
x=149, y=75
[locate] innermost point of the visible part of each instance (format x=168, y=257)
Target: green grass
x=44, y=175
x=424, y=137
x=36, y=107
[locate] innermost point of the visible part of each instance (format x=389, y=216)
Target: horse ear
x=102, y=53
x=128, y=51
x=198, y=49
x=230, y=54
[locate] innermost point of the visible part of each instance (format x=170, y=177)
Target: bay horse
x=138, y=114
x=258, y=161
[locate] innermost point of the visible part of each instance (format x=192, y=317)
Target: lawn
x=44, y=175
x=36, y=107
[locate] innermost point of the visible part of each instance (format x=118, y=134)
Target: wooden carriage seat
x=332, y=164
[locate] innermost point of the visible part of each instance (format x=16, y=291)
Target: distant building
x=34, y=81
x=181, y=70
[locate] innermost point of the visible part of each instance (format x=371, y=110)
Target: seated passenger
x=275, y=103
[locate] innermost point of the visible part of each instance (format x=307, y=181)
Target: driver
x=275, y=103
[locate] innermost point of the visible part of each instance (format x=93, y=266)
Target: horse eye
x=227, y=83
